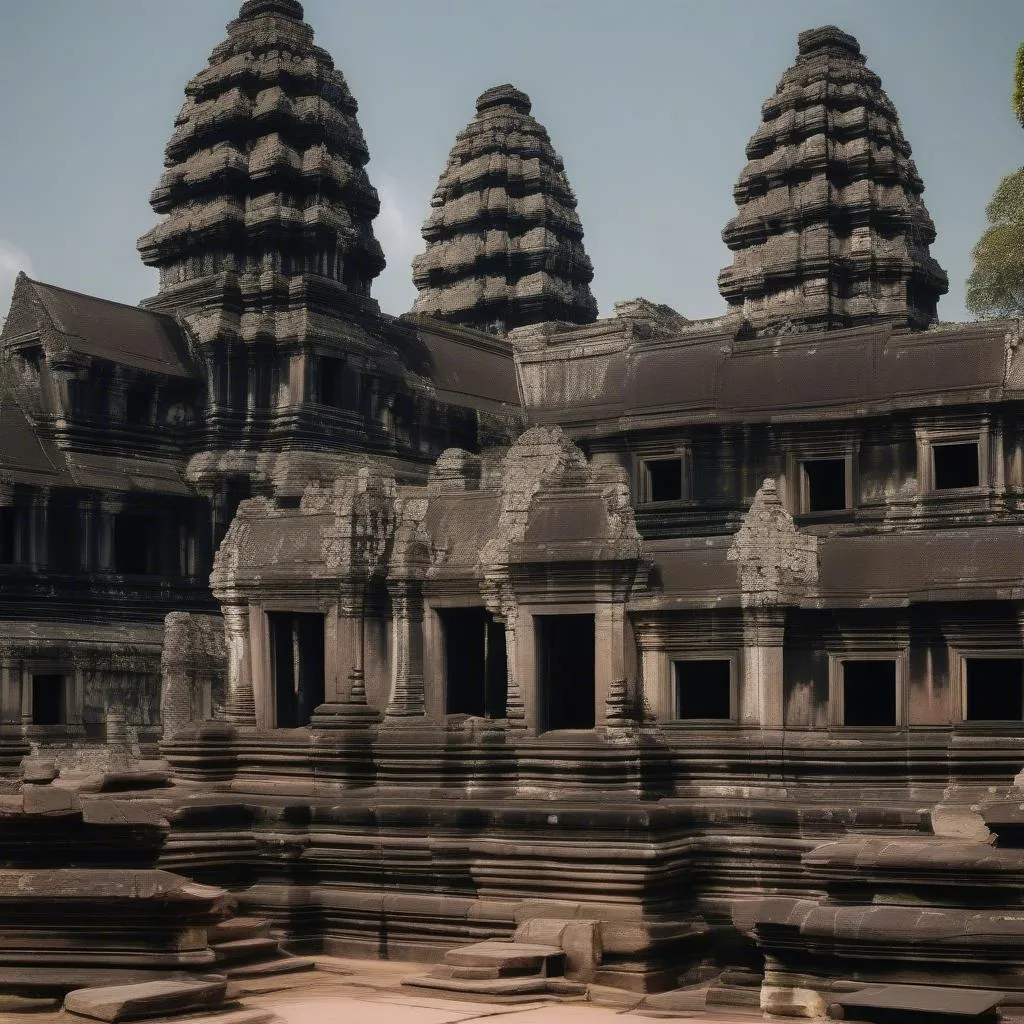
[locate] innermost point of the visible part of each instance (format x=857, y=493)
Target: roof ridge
x=100, y=298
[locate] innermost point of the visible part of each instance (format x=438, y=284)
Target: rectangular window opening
x=565, y=662
x=297, y=656
x=329, y=390
x=138, y=405
x=664, y=479
x=9, y=536
x=704, y=689
x=47, y=699
x=476, y=670
x=955, y=465
x=869, y=693
x=825, y=485
x=994, y=689
x=134, y=553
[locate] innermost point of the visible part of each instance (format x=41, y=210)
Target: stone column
x=515, y=708
x=241, y=701
x=760, y=682
x=407, y=697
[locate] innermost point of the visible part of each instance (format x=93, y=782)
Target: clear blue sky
x=650, y=103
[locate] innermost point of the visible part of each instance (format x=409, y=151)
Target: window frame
x=684, y=454
x=804, y=486
x=928, y=439
x=837, y=686
x=958, y=665
x=676, y=657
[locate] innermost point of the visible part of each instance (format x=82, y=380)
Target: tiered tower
x=266, y=200
x=831, y=230
x=504, y=241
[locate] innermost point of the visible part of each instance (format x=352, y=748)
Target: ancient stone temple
x=504, y=241
x=831, y=230
x=550, y=651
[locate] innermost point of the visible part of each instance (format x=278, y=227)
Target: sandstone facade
x=691, y=650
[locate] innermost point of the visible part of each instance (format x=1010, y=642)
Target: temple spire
x=504, y=241
x=831, y=230
x=265, y=179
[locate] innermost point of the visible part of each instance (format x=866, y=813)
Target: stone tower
x=831, y=230
x=504, y=241
x=266, y=202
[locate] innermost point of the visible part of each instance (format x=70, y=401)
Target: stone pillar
x=407, y=697
x=760, y=682
x=26, y=696
x=241, y=701
x=515, y=708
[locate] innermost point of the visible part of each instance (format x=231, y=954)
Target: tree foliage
x=996, y=284
x=1018, y=85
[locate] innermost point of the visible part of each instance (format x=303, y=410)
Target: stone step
x=268, y=968
x=150, y=999
x=238, y=928
x=483, y=986
x=910, y=1004
x=517, y=957
x=468, y=972
x=26, y=980
x=246, y=950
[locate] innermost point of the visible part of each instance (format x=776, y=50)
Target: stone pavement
x=372, y=992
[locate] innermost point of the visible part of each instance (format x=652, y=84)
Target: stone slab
x=149, y=999
x=508, y=955
x=937, y=1000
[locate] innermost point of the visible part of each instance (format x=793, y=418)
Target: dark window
x=994, y=689
x=329, y=390
x=826, y=485
x=565, y=662
x=297, y=655
x=476, y=672
x=956, y=465
x=869, y=692
x=134, y=552
x=664, y=479
x=9, y=536
x=64, y=536
x=138, y=405
x=47, y=700
x=704, y=689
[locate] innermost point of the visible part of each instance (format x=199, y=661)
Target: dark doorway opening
x=664, y=479
x=826, y=485
x=956, y=465
x=704, y=689
x=138, y=406
x=476, y=666
x=9, y=536
x=994, y=689
x=133, y=544
x=330, y=389
x=297, y=656
x=47, y=699
x=869, y=692
x=565, y=664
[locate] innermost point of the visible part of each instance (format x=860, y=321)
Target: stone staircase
x=503, y=969
x=245, y=949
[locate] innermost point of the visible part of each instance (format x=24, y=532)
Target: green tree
x=996, y=284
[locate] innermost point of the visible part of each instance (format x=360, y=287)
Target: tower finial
x=286, y=8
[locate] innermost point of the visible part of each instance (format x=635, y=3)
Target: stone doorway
x=476, y=665
x=297, y=657
x=565, y=671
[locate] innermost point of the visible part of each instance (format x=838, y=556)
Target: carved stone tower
x=504, y=241
x=267, y=206
x=831, y=230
